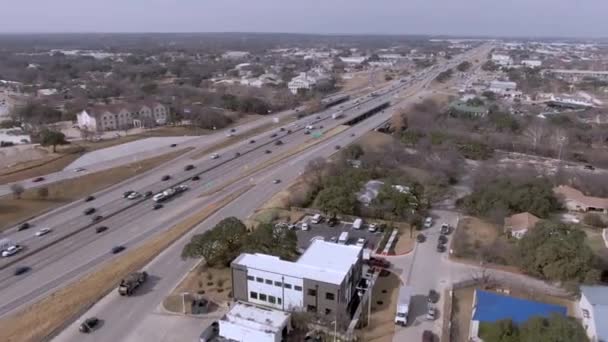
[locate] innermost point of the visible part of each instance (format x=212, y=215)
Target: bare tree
x=17, y=190
x=535, y=133
x=559, y=138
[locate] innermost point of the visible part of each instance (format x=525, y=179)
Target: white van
x=343, y=239
x=317, y=219
x=358, y=223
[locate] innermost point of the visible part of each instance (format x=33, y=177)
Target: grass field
x=13, y=211
x=43, y=319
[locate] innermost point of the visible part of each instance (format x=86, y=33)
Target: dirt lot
x=31, y=204
x=382, y=320
x=213, y=284
x=42, y=319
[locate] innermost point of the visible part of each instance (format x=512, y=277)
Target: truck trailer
x=403, y=305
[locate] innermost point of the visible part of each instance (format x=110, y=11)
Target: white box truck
x=358, y=223
x=316, y=219
x=343, y=239
x=403, y=305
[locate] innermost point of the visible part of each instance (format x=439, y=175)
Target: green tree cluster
x=512, y=196
x=52, y=138
x=444, y=76
x=555, y=328
x=557, y=252
x=464, y=66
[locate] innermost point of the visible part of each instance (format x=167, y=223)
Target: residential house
x=502, y=60
x=532, y=63
x=120, y=116
x=251, y=323
x=353, y=60
x=575, y=200
x=519, y=224
x=235, y=54
x=593, y=311
x=314, y=283
x=491, y=307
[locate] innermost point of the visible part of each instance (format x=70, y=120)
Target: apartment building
x=121, y=116
x=315, y=282
x=306, y=80
x=572, y=75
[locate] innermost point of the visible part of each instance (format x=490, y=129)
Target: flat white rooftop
x=323, y=261
x=257, y=318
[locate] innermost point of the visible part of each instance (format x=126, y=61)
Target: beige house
x=575, y=200
x=122, y=116
x=519, y=224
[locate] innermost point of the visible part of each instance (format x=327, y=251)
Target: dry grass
x=44, y=318
x=375, y=142
x=13, y=211
x=382, y=320
x=462, y=311
x=214, y=284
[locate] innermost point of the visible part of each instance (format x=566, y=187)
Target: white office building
x=250, y=323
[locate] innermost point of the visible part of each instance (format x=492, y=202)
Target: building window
x=330, y=296
x=278, y=283
x=253, y=295
x=586, y=313
x=279, y=301
x=272, y=299
x=262, y=297
x=327, y=311
x=311, y=308
x=287, y=286
x=297, y=288
x=259, y=280
x=268, y=282
x=250, y=278
x=312, y=292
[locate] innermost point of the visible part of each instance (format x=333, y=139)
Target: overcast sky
x=451, y=17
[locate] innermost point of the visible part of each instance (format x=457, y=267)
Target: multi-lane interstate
x=131, y=222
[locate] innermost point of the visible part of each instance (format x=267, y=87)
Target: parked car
x=445, y=229
x=89, y=211
x=361, y=242
x=332, y=222
x=89, y=198
x=443, y=239
x=305, y=226
x=589, y=167
x=101, y=229
x=117, y=249
x=89, y=325
x=165, y=178
x=420, y=238
x=431, y=313
x=24, y=226
x=433, y=296
x=43, y=232
x=38, y=179
x=21, y=270
x=440, y=248
x=428, y=222
x=188, y=167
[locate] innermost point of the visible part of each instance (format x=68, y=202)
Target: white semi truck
x=403, y=305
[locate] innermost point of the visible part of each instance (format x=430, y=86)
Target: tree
x=271, y=240
x=17, y=190
x=593, y=220
x=499, y=331
x=52, y=138
x=489, y=66
x=220, y=245
x=464, y=66
x=354, y=151
x=444, y=76
x=336, y=199
x=557, y=252
x=43, y=192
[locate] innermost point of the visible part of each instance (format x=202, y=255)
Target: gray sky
x=453, y=17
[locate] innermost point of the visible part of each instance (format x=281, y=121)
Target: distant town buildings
x=121, y=116
x=306, y=80
x=353, y=60
x=502, y=60
x=572, y=75
x=235, y=54
x=532, y=63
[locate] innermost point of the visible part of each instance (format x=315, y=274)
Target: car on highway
x=288, y=131
x=12, y=250
x=43, y=232
x=165, y=178
x=117, y=249
x=440, y=248
x=89, y=211
x=215, y=156
x=282, y=129
x=157, y=206
x=237, y=154
x=89, y=198
x=273, y=135
x=21, y=270
x=443, y=239
x=97, y=218
x=188, y=167
x=38, y=179
x=268, y=151
x=195, y=178
x=278, y=143
x=252, y=141
x=133, y=195
x=173, y=145
x=420, y=238
x=127, y=193
x=101, y=229
x=80, y=169
x=589, y=167
x=89, y=325
x=337, y=147
x=352, y=134
x=276, y=181
x=24, y=226
x=148, y=194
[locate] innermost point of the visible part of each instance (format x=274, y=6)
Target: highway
x=131, y=222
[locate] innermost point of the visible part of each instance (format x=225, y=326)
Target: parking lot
x=324, y=231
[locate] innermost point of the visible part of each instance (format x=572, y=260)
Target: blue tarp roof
x=492, y=307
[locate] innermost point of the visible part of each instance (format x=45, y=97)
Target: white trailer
x=403, y=305
x=358, y=223
x=343, y=239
